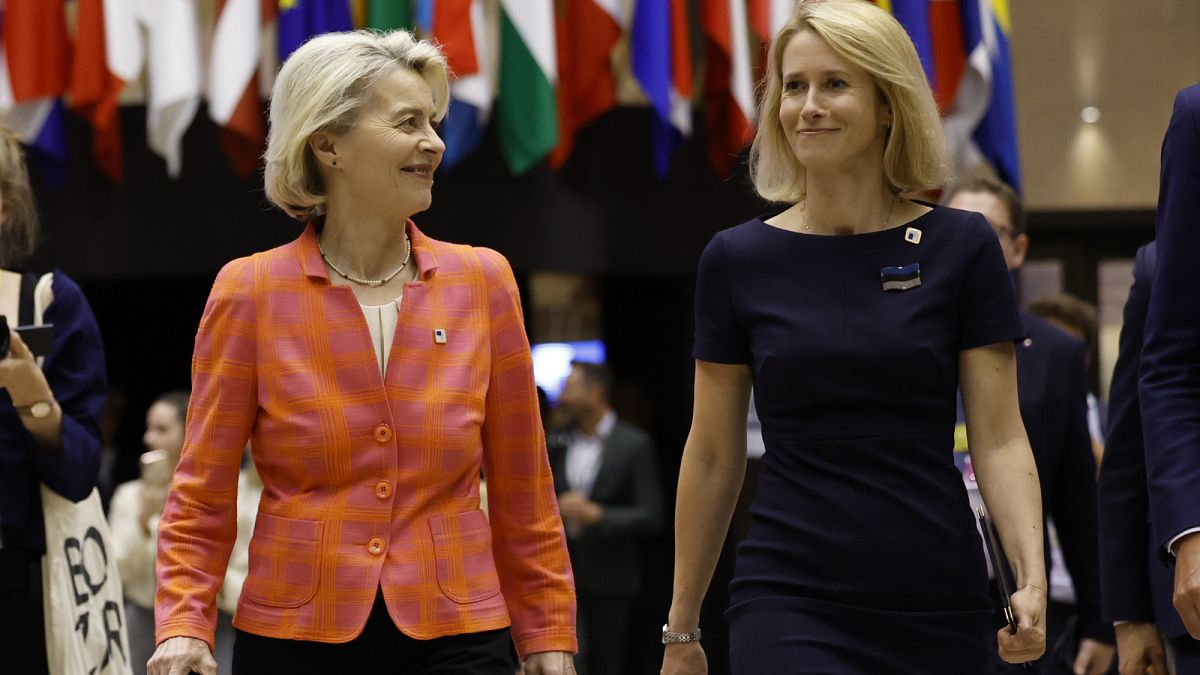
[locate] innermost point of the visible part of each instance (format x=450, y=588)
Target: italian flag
x=526, y=112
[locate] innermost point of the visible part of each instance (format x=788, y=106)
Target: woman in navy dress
x=857, y=315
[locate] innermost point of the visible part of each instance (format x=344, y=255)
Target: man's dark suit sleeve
x=1072, y=502
x=1170, y=380
x=644, y=516
x=1123, y=508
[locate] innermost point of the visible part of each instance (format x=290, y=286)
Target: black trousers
x=380, y=649
x=23, y=639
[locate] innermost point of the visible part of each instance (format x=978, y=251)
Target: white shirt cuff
x=1176, y=538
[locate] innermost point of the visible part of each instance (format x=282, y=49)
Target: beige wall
x=1126, y=57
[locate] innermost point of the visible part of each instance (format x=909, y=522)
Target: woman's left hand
x=1029, y=642
x=550, y=663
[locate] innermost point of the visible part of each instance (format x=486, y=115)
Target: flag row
x=537, y=71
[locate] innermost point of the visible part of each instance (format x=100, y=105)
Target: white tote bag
x=85, y=612
x=81, y=587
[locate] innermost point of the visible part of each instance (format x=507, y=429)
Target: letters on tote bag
x=85, y=616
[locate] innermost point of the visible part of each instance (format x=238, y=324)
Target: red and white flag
x=174, y=76
x=233, y=97
x=729, y=86
x=588, y=30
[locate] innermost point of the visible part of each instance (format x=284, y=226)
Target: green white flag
x=526, y=110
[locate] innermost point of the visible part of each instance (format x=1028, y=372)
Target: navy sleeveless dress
x=862, y=555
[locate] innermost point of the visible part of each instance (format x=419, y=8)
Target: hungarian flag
x=526, y=112
x=108, y=54
x=587, y=32
x=729, y=87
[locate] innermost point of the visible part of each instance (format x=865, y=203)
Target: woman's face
x=830, y=109
x=164, y=429
x=387, y=160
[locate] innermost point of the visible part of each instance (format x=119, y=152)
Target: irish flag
x=526, y=112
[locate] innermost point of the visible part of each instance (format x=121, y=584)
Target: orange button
x=383, y=489
x=383, y=433
x=376, y=546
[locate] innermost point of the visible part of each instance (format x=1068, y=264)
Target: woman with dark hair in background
x=49, y=413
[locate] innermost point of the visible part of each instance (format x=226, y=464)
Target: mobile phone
x=154, y=467
x=39, y=339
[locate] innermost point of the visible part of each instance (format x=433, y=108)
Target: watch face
x=40, y=409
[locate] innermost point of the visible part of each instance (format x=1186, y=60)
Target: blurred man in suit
x=1135, y=581
x=608, y=492
x=1051, y=388
x=1170, y=372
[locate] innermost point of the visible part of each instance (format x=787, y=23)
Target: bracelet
x=670, y=637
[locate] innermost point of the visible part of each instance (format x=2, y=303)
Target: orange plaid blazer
x=369, y=482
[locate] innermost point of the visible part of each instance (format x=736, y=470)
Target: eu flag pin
x=901, y=278
x=912, y=235
x=439, y=335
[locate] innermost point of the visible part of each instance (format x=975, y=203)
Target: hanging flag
x=35, y=65
x=358, y=13
x=233, y=98
x=300, y=20
x=525, y=107
x=587, y=31
x=473, y=64
x=729, y=87
x=661, y=61
x=174, y=76
x=767, y=17
x=963, y=46
x=108, y=53
x=389, y=14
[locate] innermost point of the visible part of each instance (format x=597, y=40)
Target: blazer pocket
x=462, y=545
x=284, y=561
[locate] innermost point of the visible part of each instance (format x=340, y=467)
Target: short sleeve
x=719, y=338
x=988, y=311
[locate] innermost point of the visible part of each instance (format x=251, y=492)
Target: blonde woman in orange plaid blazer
x=375, y=371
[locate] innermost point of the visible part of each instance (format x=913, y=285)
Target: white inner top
x=381, y=320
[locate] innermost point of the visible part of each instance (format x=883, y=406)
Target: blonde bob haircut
x=324, y=86
x=915, y=150
x=19, y=221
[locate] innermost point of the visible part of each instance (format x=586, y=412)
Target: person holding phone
x=376, y=371
x=49, y=411
x=857, y=314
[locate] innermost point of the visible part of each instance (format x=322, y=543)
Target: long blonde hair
x=914, y=156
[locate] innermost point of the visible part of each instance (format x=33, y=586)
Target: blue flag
x=300, y=20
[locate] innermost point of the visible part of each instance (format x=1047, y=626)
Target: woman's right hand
x=180, y=656
x=1029, y=642
x=686, y=658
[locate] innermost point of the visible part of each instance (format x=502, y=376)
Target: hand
x=21, y=375
x=579, y=511
x=180, y=656
x=1187, y=582
x=1140, y=649
x=550, y=663
x=153, y=501
x=685, y=658
x=1029, y=642
x=1094, y=658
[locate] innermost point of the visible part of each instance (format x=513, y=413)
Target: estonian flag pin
x=901, y=278
x=912, y=235
x=439, y=335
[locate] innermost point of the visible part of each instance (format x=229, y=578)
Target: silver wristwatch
x=38, y=410
x=670, y=637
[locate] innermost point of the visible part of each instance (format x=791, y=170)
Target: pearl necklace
x=368, y=282
x=804, y=222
